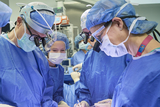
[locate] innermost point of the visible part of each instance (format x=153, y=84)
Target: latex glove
x=82, y=104
x=78, y=66
x=104, y=103
x=75, y=76
x=62, y=104
x=5, y=105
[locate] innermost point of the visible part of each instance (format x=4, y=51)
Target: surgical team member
x=5, y=14
x=99, y=74
x=25, y=80
x=83, y=48
x=55, y=56
x=125, y=33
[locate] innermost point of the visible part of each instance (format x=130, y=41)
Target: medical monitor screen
x=66, y=62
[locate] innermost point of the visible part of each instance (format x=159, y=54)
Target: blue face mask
x=84, y=46
x=26, y=44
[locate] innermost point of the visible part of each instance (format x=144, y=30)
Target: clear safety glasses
x=98, y=33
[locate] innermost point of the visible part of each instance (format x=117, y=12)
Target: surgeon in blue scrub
x=115, y=25
x=78, y=57
x=5, y=14
x=25, y=79
x=55, y=56
x=99, y=74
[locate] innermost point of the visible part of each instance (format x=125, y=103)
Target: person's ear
x=118, y=22
x=19, y=22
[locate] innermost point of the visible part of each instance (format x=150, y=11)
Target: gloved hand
x=75, y=76
x=62, y=104
x=5, y=105
x=82, y=104
x=104, y=103
x=78, y=66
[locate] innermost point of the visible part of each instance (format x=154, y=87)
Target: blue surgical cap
x=78, y=38
x=106, y=10
x=39, y=16
x=62, y=37
x=5, y=14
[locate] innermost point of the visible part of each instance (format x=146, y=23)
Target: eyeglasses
x=34, y=37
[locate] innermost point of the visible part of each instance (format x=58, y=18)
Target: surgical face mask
x=116, y=50
x=84, y=46
x=57, y=58
x=113, y=50
x=24, y=43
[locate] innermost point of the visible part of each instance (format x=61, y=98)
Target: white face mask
x=84, y=46
x=113, y=50
x=116, y=50
x=57, y=58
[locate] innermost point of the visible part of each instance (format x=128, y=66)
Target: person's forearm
x=57, y=97
x=82, y=92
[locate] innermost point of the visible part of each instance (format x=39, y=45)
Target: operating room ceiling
x=92, y=2
x=132, y=1
x=81, y=4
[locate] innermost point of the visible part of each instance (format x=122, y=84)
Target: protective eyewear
x=36, y=38
x=87, y=36
x=86, y=33
x=97, y=34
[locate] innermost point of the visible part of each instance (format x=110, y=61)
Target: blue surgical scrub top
x=99, y=76
x=139, y=86
x=77, y=58
x=57, y=74
x=24, y=77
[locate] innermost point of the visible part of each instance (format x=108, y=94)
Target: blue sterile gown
x=139, y=86
x=69, y=94
x=99, y=76
x=77, y=58
x=24, y=77
x=57, y=74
